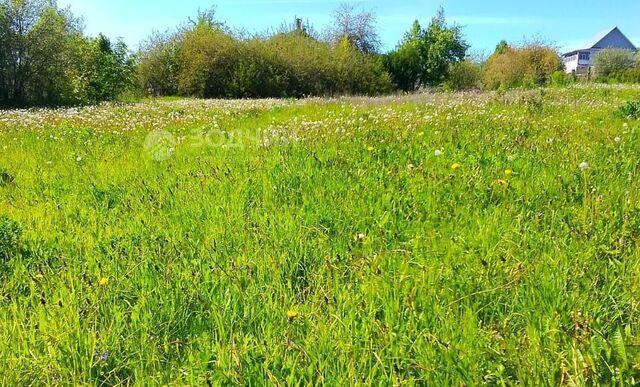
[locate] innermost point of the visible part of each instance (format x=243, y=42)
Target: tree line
x=46, y=59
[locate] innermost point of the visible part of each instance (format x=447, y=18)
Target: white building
x=581, y=61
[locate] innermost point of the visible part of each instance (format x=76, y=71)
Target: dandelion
x=291, y=314
x=438, y=152
x=617, y=139
x=410, y=166
x=508, y=172
x=104, y=281
x=79, y=158
x=584, y=166
x=456, y=166
x=371, y=149
x=360, y=237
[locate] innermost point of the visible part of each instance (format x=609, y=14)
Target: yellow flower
x=456, y=166
x=371, y=149
x=502, y=183
x=291, y=314
x=104, y=281
x=508, y=172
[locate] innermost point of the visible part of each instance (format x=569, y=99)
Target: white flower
x=617, y=139
x=625, y=125
x=584, y=166
x=79, y=158
x=438, y=152
x=410, y=166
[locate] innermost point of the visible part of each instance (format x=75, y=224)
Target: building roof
x=599, y=37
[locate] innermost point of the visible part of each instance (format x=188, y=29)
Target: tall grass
x=329, y=243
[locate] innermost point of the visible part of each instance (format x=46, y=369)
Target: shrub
x=464, y=75
x=561, y=79
x=610, y=63
x=527, y=66
x=631, y=109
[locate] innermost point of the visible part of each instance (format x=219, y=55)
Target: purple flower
x=102, y=356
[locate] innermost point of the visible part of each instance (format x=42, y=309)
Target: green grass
x=323, y=242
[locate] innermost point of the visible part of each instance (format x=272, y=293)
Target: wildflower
x=360, y=237
x=508, y=172
x=371, y=149
x=502, y=183
x=438, y=152
x=104, y=281
x=456, y=166
x=102, y=356
x=79, y=158
x=291, y=314
x=410, y=166
x=584, y=166
x=617, y=139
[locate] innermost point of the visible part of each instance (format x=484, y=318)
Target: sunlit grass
x=440, y=240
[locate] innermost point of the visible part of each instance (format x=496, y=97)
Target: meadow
x=437, y=239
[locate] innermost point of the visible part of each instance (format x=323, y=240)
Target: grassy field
x=444, y=239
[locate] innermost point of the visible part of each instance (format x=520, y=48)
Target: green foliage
x=107, y=70
x=631, y=109
x=46, y=60
x=528, y=66
x=206, y=60
x=464, y=75
x=611, y=63
x=405, y=62
x=10, y=237
x=560, y=78
x=158, y=65
x=424, y=57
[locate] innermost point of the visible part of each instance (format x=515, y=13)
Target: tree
x=357, y=28
x=612, y=62
x=424, y=57
x=158, y=64
x=404, y=63
x=107, y=69
x=38, y=52
x=443, y=46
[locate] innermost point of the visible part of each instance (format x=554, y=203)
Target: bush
x=464, y=75
x=527, y=66
x=611, y=63
x=561, y=79
x=207, y=61
x=631, y=109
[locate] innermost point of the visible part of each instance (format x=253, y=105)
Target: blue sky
x=568, y=23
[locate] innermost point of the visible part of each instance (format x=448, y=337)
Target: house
x=581, y=61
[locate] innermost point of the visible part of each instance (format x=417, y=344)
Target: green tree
x=404, y=63
x=158, y=64
x=39, y=47
x=107, y=69
x=612, y=62
x=443, y=45
x=424, y=57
